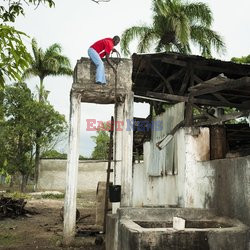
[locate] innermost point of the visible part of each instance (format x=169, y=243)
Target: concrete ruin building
x=184, y=160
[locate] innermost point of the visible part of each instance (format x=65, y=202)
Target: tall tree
x=176, y=25
x=50, y=62
x=23, y=117
x=46, y=63
x=101, y=149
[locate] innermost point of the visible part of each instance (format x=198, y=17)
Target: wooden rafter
x=176, y=98
x=185, y=82
x=203, y=111
x=168, y=85
x=204, y=65
x=220, y=97
x=170, y=78
x=228, y=85
x=225, y=118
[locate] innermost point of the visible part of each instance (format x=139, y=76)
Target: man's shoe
x=100, y=83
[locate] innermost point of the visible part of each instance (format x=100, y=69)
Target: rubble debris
x=12, y=208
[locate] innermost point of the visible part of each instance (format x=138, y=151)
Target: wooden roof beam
x=169, y=87
x=201, y=65
x=228, y=85
x=176, y=98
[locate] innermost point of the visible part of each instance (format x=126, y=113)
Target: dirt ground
x=44, y=230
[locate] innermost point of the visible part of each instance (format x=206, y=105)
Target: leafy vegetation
x=10, y=9
x=102, y=145
x=14, y=57
x=52, y=196
x=45, y=63
x=50, y=62
x=176, y=25
x=243, y=59
x=54, y=154
x=23, y=117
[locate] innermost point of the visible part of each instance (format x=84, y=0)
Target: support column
x=72, y=169
x=127, y=152
x=117, y=154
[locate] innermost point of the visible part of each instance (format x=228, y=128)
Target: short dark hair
x=116, y=39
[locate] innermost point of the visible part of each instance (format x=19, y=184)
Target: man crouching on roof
x=99, y=50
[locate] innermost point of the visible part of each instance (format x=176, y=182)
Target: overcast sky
x=76, y=24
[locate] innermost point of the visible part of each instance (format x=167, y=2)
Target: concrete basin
x=152, y=229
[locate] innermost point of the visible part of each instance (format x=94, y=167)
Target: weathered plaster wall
x=53, y=174
x=232, y=187
x=160, y=178
x=84, y=82
x=187, y=188
x=199, y=180
x=220, y=184
x=84, y=74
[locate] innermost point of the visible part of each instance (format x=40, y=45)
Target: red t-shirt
x=103, y=47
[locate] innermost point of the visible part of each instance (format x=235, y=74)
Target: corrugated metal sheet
x=165, y=162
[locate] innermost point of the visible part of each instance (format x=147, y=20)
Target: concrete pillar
x=117, y=154
x=72, y=169
x=127, y=152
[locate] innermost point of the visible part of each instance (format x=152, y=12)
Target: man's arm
x=109, y=62
x=114, y=50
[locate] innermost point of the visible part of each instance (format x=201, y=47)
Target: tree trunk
x=11, y=181
x=37, y=159
x=38, y=135
x=25, y=178
x=41, y=90
x=1, y=104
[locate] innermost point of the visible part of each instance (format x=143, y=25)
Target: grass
x=17, y=195
x=52, y=196
x=8, y=239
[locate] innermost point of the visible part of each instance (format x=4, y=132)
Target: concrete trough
x=152, y=228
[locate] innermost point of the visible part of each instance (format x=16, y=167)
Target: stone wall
x=53, y=174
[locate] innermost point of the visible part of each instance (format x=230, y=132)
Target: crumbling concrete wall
x=53, y=174
x=232, y=187
x=117, y=85
x=220, y=184
x=151, y=228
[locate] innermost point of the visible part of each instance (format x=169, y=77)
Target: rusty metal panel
x=164, y=162
x=218, y=142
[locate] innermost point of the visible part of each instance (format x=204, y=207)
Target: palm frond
x=176, y=23
x=35, y=48
x=54, y=48
x=29, y=73
x=146, y=39
x=48, y=63
x=199, y=13
x=63, y=71
x=207, y=39
x=132, y=33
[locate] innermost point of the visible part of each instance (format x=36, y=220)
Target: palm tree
x=176, y=25
x=46, y=63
